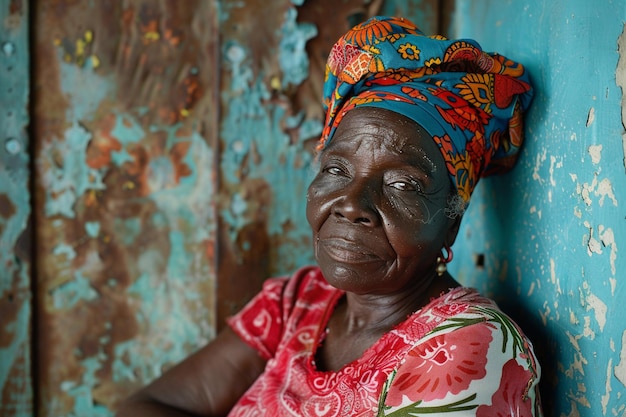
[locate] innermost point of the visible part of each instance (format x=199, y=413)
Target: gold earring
x=441, y=261
x=441, y=266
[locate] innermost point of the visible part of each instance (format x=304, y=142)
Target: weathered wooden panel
x=16, y=389
x=125, y=130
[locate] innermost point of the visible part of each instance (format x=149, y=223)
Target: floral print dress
x=457, y=356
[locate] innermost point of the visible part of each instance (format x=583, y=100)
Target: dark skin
x=376, y=210
x=208, y=383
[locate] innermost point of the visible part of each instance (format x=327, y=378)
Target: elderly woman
x=380, y=327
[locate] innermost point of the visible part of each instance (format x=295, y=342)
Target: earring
x=441, y=261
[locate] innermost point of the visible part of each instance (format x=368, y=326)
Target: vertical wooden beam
x=263, y=154
x=16, y=389
x=125, y=125
x=446, y=11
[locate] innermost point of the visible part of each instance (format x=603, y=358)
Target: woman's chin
x=348, y=278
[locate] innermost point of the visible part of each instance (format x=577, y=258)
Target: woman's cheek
x=312, y=206
x=320, y=198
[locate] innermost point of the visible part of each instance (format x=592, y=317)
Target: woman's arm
x=207, y=383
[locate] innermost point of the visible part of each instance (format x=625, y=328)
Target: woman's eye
x=405, y=185
x=333, y=170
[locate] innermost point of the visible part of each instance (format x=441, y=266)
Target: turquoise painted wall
x=547, y=239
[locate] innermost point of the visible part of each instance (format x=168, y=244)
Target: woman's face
x=376, y=206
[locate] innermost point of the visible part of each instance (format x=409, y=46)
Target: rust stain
x=7, y=208
x=16, y=7
x=126, y=115
x=330, y=26
x=103, y=144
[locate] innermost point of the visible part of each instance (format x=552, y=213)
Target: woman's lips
x=342, y=250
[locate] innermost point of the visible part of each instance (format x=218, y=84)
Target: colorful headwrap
x=469, y=101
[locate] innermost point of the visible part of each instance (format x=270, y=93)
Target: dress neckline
x=322, y=331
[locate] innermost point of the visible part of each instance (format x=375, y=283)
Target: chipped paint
x=605, y=398
x=608, y=241
x=595, y=151
x=16, y=311
x=591, y=117
x=590, y=301
x=620, y=369
x=126, y=180
x=67, y=177
x=292, y=55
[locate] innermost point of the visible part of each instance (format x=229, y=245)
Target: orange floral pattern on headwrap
x=470, y=101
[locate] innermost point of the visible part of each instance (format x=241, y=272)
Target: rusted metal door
x=171, y=148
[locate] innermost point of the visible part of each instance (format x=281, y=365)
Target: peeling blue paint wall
x=547, y=239
x=257, y=144
x=16, y=384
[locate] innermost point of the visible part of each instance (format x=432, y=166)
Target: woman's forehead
x=375, y=129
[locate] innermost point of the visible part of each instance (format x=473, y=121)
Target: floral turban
x=470, y=101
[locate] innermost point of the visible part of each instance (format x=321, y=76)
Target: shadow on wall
x=515, y=271
x=545, y=344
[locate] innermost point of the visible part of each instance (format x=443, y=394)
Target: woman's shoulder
x=465, y=306
x=464, y=350
x=461, y=297
x=453, y=302
x=458, y=308
x=463, y=316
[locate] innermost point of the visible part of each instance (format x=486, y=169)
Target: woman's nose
x=357, y=205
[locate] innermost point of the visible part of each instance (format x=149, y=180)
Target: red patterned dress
x=457, y=356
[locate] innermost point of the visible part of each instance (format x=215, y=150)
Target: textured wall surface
x=547, y=240
x=125, y=125
x=16, y=394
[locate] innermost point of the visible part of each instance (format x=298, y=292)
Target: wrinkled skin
x=376, y=207
x=376, y=210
